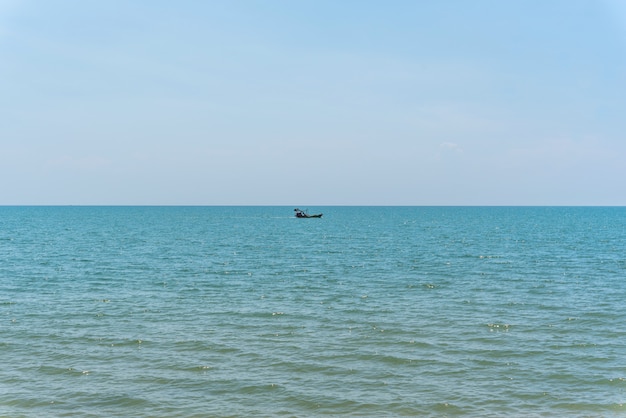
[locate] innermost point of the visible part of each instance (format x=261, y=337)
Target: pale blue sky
x=481, y=102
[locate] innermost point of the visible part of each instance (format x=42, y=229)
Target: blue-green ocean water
x=369, y=311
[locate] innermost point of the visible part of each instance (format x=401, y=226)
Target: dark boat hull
x=302, y=214
x=319, y=215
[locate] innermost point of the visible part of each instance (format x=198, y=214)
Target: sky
x=325, y=102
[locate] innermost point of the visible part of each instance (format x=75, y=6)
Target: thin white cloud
x=84, y=163
x=451, y=146
x=563, y=150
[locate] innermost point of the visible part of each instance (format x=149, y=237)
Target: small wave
x=499, y=327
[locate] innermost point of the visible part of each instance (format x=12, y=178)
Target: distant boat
x=303, y=214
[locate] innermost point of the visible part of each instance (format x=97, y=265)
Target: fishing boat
x=303, y=214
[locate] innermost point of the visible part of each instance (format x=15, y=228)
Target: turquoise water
x=369, y=311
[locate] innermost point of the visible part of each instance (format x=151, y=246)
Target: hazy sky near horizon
x=326, y=102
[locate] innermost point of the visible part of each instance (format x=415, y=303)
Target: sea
x=366, y=312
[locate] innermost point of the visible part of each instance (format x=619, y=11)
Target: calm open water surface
x=369, y=311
